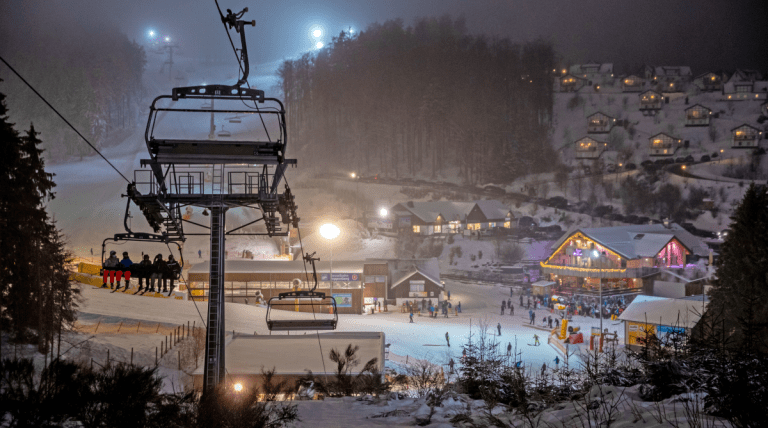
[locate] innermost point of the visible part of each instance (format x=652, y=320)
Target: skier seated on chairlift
x=110, y=268
x=143, y=270
x=124, y=268
x=172, y=269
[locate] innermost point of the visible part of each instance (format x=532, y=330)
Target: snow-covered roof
x=672, y=70
x=493, y=209
x=428, y=211
x=663, y=133
x=400, y=269
x=662, y=311
x=599, y=112
x=698, y=105
x=604, y=68
x=414, y=272
x=636, y=241
x=744, y=75
x=281, y=266
x=743, y=125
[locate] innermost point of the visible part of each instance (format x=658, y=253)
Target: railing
x=182, y=181
x=593, y=272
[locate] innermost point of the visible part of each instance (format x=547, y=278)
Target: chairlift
x=224, y=132
x=296, y=300
x=235, y=119
x=141, y=237
x=206, y=106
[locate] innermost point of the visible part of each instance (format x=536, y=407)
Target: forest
x=90, y=73
x=428, y=100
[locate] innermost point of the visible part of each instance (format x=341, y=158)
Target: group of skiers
x=507, y=304
x=150, y=271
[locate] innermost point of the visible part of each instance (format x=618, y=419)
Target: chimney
x=666, y=222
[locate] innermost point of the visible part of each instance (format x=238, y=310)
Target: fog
x=705, y=34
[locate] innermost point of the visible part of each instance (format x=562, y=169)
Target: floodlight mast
x=176, y=179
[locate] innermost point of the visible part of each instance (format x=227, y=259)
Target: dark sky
x=706, y=34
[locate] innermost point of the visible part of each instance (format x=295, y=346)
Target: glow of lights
x=238, y=387
x=353, y=175
x=351, y=30
x=383, y=212
x=329, y=231
x=317, y=33
x=595, y=254
x=167, y=39
x=319, y=45
x=151, y=33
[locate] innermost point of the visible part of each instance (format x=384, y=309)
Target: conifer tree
x=35, y=292
x=740, y=292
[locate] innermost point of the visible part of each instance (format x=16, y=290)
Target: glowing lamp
x=329, y=231
x=238, y=387
x=383, y=212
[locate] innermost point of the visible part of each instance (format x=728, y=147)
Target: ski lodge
x=619, y=260
x=650, y=318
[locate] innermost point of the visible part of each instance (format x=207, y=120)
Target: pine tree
x=740, y=292
x=35, y=291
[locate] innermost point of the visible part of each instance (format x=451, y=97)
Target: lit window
x=416, y=229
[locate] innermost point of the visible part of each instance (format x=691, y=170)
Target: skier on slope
x=536, y=340
x=509, y=348
x=110, y=266
x=498, y=327
x=447, y=339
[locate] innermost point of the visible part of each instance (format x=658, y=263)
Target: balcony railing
x=594, y=272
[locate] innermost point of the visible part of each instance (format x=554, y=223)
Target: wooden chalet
x=632, y=83
x=415, y=285
x=697, y=115
x=594, y=72
x=571, y=83
x=621, y=260
x=709, y=82
x=672, y=78
x=663, y=145
x=599, y=123
x=589, y=148
x=745, y=137
x=745, y=85
x=651, y=102
x=490, y=214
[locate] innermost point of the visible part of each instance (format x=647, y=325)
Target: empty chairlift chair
x=296, y=307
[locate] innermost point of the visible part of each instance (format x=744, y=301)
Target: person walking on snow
x=533, y=318
x=458, y=307
x=110, y=266
x=511, y=310
x=447, y=339
x=498, y=327
x=530, y=316
x=543, y=369
x=549, y=319
x=557, y=361
x=509, y=349
x=411, y=315
x=509, y=303
x=536, y=340
x=521, y=300
x=450, y=366
x=200, y=254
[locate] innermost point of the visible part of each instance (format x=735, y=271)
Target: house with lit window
x=599, y=123
x=745, y=85
x=490, y=214
x=415, y=280
x=650, y=102
x=571, y=83
x=594, y=72
x=697, y=115
x=619, y=260
x=709, y=82
x=672, y=78
x=745, y=137
x=589, y=148
x=663, y=145
x=632, y=83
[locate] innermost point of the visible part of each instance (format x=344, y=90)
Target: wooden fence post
x=120, y=326
x=138, y=327
x=97, y=326
x=156, y=356
x=131, y=355
x=179, y=358
x=158, y=328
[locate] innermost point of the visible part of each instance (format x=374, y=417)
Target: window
x=369, y=279
x=491, y=225
x=417, y=287
x=438, y=228
x=416, y=229
x=508, y=224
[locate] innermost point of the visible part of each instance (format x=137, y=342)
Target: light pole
x=329, y=231
x=596, y=256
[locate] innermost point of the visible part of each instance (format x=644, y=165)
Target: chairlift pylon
x=303, y=299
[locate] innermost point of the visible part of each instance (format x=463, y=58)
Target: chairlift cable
x=301, y=246
x=63, y=118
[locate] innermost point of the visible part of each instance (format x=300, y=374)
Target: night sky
x=705, y=34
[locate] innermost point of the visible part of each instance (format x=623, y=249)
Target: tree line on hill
x=424, y=100
x=90, y=73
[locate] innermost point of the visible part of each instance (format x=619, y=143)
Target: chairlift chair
x=224, y=132
x=141, y=237
x=234, y=119
x=302, y=299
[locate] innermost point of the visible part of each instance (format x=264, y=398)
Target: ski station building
x=446, y=217
x=650, y=319
x=292, y=356
x=356, y=286
x=619, y=260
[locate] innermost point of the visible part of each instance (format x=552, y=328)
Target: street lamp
x=596, y=256
x=329, y=231
x=383, y=212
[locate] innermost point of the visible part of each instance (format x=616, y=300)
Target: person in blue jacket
x=125, y=269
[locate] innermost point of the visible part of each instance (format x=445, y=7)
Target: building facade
x=650, y=102
x=662, y=145
x=745, y=137
x=697, y=115
x=599, y=123
x=589, y=148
